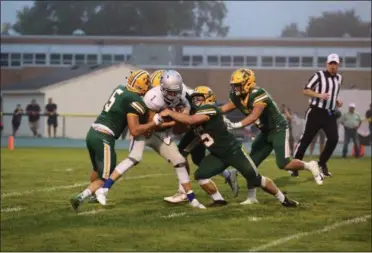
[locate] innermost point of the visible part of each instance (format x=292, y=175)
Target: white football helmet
x=171, y=86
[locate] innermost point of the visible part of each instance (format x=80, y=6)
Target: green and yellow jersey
x=121, y=103
x=214, y=134
x=271, y=118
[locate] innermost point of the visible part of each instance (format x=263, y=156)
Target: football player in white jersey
x=197, y=154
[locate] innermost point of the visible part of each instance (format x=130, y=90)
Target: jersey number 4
x=111, y=101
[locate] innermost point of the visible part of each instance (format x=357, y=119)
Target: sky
x=252, y=18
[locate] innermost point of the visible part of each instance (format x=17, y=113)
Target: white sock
x=252, y=193
x=216, y=196
x=226, y=173
x=280, y=196
x=85, y=194
x=124, y=166
x=306, y=166
x=181, y=189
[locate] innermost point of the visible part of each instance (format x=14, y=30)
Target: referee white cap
x=333, y=58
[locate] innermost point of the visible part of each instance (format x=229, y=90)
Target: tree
x=337, y=24
x=332, y=24
x=5, y=28
x=292, y=30
x=134, y=18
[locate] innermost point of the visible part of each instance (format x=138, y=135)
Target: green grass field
x=36, y=185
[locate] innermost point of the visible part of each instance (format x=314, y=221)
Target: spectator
x=288, y=115
x=17, y=118
x=351, y=122
x=51, y=111
x=33, y=112
x=369, y=118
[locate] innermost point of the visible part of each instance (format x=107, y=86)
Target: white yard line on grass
x=50, y=189
x=300, y=235
x=11, y=209
x=172, y=215
x=91, y=212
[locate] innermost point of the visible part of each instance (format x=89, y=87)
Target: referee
x=322, y=88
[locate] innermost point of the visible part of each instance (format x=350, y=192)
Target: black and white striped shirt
x=323, y=82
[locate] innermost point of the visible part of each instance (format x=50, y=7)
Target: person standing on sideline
x=351, y=122
x=369, y=118
x=51, y=111
x=323, y=89
x=16, y=119
x=33, y=112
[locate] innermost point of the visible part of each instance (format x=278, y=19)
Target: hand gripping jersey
x=121, y=103
x=271, y=118
x=214, y=134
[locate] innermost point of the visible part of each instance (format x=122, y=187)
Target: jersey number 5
x=111, y=101
x=207, y=140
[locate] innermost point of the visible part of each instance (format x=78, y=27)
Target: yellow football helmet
x=156, y=77
x=243, y=81
x=206, y=92
x=139, y=81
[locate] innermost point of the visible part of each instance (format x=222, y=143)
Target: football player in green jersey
x=225, y=150
x=260, y=108
x=124, y=108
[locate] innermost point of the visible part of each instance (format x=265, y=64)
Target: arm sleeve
x=135, y=107
x=313, y=82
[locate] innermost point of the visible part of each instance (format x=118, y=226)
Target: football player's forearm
x=165, y=125
x=227, y=108
x=180, y=117
x=142, y=129
x=247, y=121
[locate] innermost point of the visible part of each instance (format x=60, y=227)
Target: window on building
x=280, y=61
x=350, y=62
x=212, y=60
x=67, y=59
x=186, y=60
x=15, y=60
x=128, y=57
x=40, y=59
x=365, y=60
x=92, y=59
x=307, y=61
x=119, y=58
x=321, y=61
x=55, y=59
x=251, y=61
x=225, y=60
x=267, y=61
x=293, y=61
x=4, y=60
x=79, y=59
x=197, y=60
x=106, y=59
x=238, y=61
x=28, y=59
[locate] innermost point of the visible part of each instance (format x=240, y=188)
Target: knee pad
x=203, y=181
x=182, y=175
x=258, y=181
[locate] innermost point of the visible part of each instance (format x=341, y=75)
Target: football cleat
x=178, y=197
x=93, y=199
x=249, y=201
x=233, y=182
x=317, y=173
x=101, y=195
x=290, y=203
x=76, y=201
x=217, y=203
x=195, y=203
